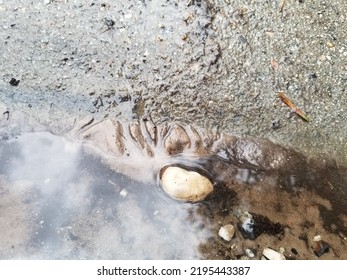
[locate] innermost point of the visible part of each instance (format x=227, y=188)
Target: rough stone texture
x=227, y=232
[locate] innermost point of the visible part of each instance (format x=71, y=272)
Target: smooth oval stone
x=185, y=185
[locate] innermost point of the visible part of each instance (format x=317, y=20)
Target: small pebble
x=275, y=124
x=246, y=225
x=317, y=238
x=14, y=82
x=270, y=254
x=184, y=37
x=123, y=193
x=45, y=41
x=249, y=253
x=294, y=251
x=320, y=247
x=330, y=44
x=237, y=250
x=227, y=232
x=313, y=76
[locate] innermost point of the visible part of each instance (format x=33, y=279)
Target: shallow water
x=58, y=201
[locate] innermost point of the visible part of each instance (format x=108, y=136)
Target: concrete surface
x=216, y=64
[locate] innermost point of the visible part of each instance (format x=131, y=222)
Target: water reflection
x=58, y=201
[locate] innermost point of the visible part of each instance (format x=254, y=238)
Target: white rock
x=272, y=254
x=244, y=216
x=123, y=193
x=249, y=253
x=185, y=185
x=317, y=238
x=281, y=250
x=227, y=232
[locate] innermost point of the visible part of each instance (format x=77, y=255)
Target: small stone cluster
x=247, y=228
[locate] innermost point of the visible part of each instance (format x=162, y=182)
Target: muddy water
x=63, y=200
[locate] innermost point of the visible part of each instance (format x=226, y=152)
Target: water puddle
x=62, y=200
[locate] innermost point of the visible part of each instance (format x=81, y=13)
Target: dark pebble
x=313, y=76
x=294, y=251
x=275, y=124
x=321, y=248
x=247, y=229
x=14, y=82
x=252, y=228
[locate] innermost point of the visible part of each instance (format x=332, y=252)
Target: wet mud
x=95, y=194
